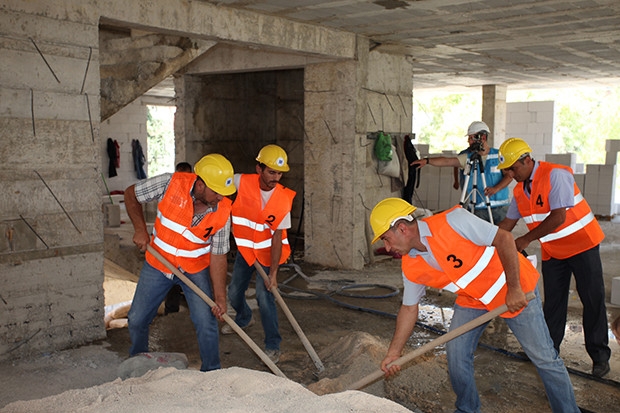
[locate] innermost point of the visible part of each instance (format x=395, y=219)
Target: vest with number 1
x=184, y=246
x=253, y=226
x=473, y=272
x=579, y=232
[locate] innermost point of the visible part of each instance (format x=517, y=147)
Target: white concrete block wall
x=567, y=159
x=612, y=145
x=423, y=149
x=600, y=188
x=580, y=168
x=430, y=177
x=533, y=122
x=580, y=179
x=446, y=178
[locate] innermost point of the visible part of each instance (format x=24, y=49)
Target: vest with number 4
x=184, y=246
x=253, y=226
x=579, y=232
x=473, y=272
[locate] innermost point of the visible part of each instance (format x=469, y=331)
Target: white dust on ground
x=233, y=389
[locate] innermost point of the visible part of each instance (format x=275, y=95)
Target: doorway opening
x=160, y=136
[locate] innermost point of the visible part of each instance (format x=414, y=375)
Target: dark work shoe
x=600, y=368
x=274, y=355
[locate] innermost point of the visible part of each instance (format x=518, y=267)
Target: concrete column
x=334, y=167
x=494, y=112
x=343, y=102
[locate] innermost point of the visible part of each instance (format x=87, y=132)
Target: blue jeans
x=530, y=329
x=241, y=276
x=151, y=291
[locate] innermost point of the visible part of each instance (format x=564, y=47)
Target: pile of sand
x=228, y=390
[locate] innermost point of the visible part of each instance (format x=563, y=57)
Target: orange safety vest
x=253, y=227
x=579, y=232
x=187, y=248
x=473, y=272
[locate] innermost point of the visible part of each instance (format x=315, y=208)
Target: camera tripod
x=474, y=163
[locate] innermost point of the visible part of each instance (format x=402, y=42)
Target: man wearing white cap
x=496, y=182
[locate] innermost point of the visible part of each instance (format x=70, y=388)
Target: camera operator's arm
x=439, y=161
x=492, y=190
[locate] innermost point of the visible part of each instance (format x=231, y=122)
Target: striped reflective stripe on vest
x=453, y=288
x=179, y=229
x=494, y=290
x=181, y=253
x=237, y=220
x=530, y=219
x=476, y=270
x=185, y=233
x=244, y=242
x=569, y=230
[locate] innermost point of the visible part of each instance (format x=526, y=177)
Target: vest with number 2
x=253, y=226
x=579, y=232
x=473, y=272
x=184, y=246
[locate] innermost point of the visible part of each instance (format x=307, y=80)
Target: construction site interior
x=322, y=79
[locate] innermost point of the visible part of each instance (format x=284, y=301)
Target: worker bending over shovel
x=461, y=253
x=191, y=232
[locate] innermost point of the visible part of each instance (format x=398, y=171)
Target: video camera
x=477, y=144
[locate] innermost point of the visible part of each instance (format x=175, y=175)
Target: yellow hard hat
x=388, y=211
x=274, y=157
x=511, y=150
x=217, y=173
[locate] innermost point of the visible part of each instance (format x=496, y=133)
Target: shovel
x=260, y=353
x=291, y=319
x=372, y=377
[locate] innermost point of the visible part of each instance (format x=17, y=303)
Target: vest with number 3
x=579, y=232
x=253, y=226
x=471, y=271
x=184, y=246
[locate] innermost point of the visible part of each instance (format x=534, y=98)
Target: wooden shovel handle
x=291, y=319
x=260, y=353
x=452, y=334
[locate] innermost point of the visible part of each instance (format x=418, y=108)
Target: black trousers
x=588, y=272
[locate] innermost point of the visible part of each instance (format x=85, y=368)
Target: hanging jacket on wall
x=138, y=158
x=113, y=154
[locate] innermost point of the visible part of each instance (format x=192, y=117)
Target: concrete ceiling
x=460, y=43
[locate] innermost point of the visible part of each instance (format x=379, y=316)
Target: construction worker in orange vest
x=261, y=214
x=461, y=253
x=558, y=216
x=192, y=231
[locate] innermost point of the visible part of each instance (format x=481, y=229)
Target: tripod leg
x=474, y=165
x=486, y=198
x=469, y=198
